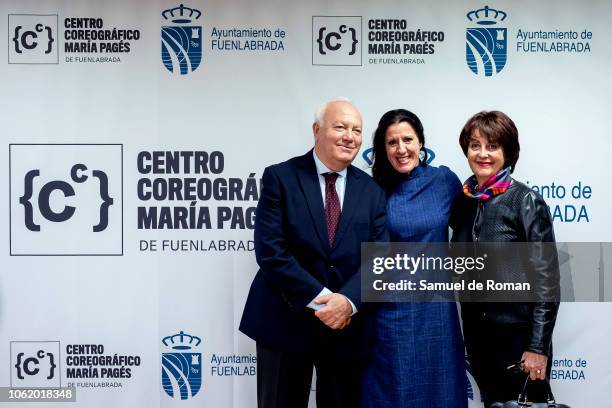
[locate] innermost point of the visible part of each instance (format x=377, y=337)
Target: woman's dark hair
x=382, y=171
x=498, y=128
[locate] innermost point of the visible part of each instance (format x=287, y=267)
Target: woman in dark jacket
x=496, y=208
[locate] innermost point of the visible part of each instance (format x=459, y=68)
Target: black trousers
x=284, y=379
x=491, y=348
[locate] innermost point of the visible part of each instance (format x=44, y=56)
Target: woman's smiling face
x=403, y=147
x=485, y=158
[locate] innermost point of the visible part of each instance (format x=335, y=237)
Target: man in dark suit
x=304, y=306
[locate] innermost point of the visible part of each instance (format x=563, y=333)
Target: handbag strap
x=522, y=398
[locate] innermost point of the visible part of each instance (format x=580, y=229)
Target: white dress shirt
x=340, y=188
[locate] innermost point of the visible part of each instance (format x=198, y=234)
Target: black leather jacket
x=517, y=215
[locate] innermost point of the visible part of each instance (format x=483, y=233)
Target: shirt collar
x=322, y=169
x=417, y=171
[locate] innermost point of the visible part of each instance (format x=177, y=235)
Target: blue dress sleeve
x=455, y=188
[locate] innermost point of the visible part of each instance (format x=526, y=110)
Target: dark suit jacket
x=296, y=262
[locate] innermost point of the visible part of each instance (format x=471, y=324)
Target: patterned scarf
x=495, y=185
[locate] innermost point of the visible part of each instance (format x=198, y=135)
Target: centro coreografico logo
x=66, y=199
x=32, y=39
x=336, y=40
x=181, y=44
x=181, y=366
x=35, y=364
x=486, y=47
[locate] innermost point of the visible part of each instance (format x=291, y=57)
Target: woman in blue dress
x=417, y=359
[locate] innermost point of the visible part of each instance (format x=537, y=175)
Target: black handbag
x=521, y=402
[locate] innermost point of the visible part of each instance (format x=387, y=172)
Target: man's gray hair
x=318, y=117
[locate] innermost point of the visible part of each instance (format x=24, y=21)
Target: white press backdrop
x=102, y=108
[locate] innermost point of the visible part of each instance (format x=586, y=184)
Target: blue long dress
x=417, y=359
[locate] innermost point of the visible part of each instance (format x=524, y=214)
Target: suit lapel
x=309, y=180
x=352, y=191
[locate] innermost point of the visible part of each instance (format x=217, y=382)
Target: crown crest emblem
x=181, y=341
x=486, y=16
x=181, y=14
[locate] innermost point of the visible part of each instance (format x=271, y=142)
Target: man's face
x=338, y=138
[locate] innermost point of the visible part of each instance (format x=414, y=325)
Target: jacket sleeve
x=538, y=227
x=378, y=233
x=277, y=264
